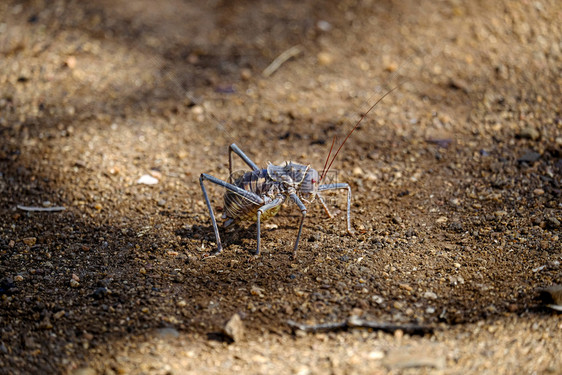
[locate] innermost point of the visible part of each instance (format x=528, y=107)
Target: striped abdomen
x=238, y=208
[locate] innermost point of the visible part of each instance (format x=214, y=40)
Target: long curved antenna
x=327, y=158
x=356, y=126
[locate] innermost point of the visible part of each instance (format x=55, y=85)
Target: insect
x=258, y=194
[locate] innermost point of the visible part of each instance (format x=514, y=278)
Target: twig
x=318, y=327
x=355, y=322
x=41, y=209
x=286, y=55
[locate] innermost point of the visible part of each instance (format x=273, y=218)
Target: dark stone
x=529, y=157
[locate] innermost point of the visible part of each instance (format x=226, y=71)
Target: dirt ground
x=456, y=180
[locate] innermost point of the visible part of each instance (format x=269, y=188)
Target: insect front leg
x=302, y=207
x=339, y=186
x=235, y=189
x=233, y=148
x=276, y=202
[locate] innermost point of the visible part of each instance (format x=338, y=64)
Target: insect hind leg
x=233, y=148
x=235, y=189
x=348, y=211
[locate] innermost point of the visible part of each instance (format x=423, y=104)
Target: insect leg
x=341, y=186
x=321, y=199
x=246, y=194
x=274, y=203
x=302, y=207
x=233, y=148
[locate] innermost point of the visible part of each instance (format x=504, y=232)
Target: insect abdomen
x=239, y=208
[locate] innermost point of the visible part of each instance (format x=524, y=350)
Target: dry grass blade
x=281, y=59
x=41, y=209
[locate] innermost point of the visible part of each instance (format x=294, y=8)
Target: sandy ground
x=456, y=181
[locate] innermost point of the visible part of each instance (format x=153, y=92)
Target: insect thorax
x=291, y=174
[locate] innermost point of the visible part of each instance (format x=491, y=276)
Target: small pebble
x=406, y=287
x=256, y=291
x=197, y=110
x=70, y=62
x=430, y=295
x=30, y=241
x=529, y=157
x=324, y=25
x=391, y=67
x=234, y=328
x=303, y=370
x=147, y=180
x=245, y=74
x=74, y=283
x=456, y=226
x=324, y=58
x=376, y=354
x=358, y=172
x=377, y=299
x=529, y=132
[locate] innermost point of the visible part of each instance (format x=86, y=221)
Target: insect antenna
x=325, y=171
x=328, y=158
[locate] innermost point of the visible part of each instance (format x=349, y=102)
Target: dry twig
x=41, y=209
x=356, y=322
x=286, y=55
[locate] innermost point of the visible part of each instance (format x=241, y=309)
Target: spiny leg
x=233, y=148
x=274, y=203
x=302, y=207
x=235, y=189
x=340, y=186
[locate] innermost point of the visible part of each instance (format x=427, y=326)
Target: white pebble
x=147, y=180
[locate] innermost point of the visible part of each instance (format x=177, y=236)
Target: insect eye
x=313, y=181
